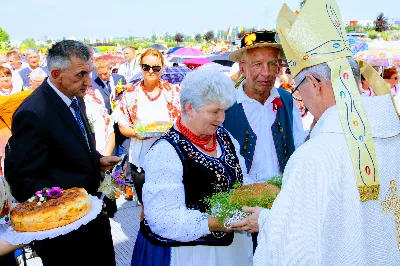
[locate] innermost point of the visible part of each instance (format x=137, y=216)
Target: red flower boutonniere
x=276, y=103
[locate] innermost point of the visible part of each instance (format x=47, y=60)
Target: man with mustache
x=265, y=120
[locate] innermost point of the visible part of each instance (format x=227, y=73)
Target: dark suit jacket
x=47, y=149
x=98, y=84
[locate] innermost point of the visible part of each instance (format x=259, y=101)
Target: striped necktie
x=128, y=70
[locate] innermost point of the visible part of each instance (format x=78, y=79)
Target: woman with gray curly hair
x=193, y=159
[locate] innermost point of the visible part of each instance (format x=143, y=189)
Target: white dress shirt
x=68, y=102
x=261, y=117
x=16, y=81
x=65, y=99
x=123, y=69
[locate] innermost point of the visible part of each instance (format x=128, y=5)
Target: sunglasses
x=146, y=67
x=297, y=88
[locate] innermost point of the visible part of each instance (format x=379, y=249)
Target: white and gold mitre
x=315, y=36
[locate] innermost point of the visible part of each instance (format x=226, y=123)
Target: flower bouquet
x=112, y=181
x=226, y=206
x=119, y=87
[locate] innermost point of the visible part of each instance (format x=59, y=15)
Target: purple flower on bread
x=54, y=192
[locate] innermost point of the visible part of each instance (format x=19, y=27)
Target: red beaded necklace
x=199, y=141
x=146, y=93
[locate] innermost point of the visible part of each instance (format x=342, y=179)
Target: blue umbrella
x=173, y=75
x=174, y=49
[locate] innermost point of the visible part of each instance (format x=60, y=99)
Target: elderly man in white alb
x=339, y=203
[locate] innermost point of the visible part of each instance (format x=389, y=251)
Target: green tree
x=350, y=28
x=381, y=23
x=167, y=37
x=302, y=3
x=179, y=38
x=153, y=38
x=4, y=36
x=28, y=43
x=209, y=36
x=198, y=37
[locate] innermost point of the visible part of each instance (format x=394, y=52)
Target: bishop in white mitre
x=340, y=198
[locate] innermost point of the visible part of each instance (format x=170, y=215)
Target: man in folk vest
x=264, y=120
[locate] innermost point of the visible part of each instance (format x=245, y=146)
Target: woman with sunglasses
x=149, y=100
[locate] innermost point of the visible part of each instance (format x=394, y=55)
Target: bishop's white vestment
x=318, y=218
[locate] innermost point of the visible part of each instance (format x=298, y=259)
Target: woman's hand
x=214, y=225
x=131, y=133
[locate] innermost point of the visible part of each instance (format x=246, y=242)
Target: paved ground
x=124, y=226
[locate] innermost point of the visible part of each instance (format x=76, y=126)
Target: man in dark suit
x=52, y=145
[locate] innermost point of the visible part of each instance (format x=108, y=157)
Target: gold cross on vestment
x=391, y=204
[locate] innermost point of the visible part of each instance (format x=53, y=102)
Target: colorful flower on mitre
x=277, y=103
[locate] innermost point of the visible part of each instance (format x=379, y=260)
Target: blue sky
x=102, y=18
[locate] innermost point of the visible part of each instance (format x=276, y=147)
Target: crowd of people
x=329, y=124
